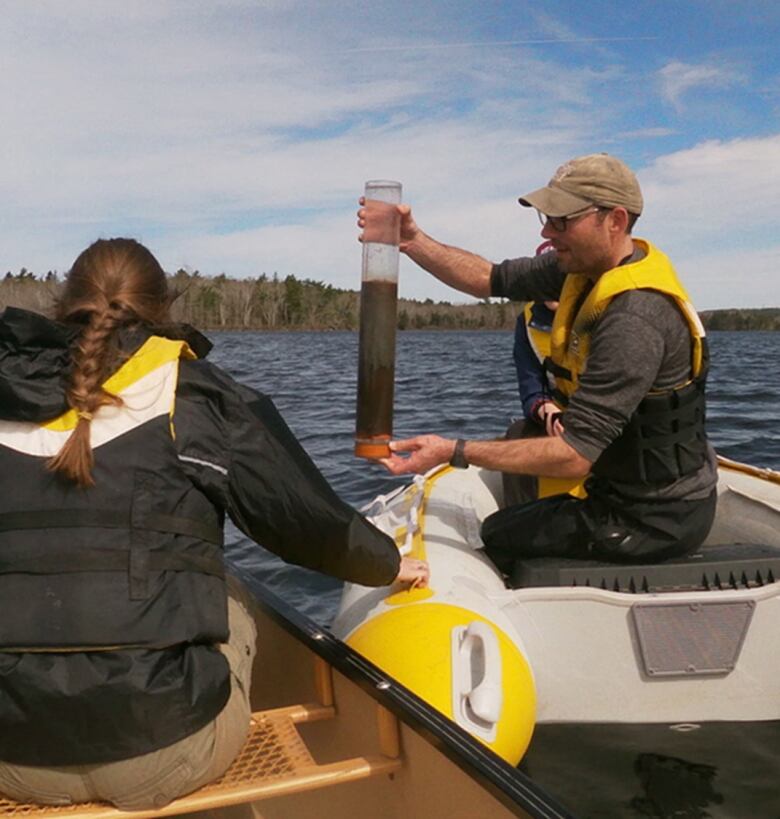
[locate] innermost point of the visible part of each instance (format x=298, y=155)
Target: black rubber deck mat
x=730, y=566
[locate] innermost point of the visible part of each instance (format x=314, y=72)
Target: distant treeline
x=273, y=303
x=764, y=318
x=290, y=303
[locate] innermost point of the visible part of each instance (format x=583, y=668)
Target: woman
x=124, y=660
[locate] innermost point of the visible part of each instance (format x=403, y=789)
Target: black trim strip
x=507, y=784
x=109, y=519
x=682, y=437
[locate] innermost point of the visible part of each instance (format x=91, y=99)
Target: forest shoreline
x=273, y=303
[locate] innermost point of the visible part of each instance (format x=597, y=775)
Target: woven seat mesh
x=274, y=750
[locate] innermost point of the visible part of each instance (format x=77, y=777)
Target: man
x=629, y=359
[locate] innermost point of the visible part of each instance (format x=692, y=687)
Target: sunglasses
x=558, y=223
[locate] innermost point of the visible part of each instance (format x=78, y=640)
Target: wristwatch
x=458, y=458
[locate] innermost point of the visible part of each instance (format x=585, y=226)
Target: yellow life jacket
x=570, y=338
x=665, y=438
x=539, y=339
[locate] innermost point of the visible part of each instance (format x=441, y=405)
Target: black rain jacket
x=113, y=597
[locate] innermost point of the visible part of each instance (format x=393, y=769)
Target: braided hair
x=114, y=283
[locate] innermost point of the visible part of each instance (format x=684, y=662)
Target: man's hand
x=425, y=452
x=409, y=229
x=457, y=268
x=545, y=455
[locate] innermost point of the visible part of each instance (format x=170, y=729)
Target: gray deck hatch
x=690, y=639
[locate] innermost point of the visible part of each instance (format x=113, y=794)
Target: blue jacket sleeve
x=531, y=379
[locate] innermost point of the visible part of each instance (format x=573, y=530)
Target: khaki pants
x=154, y=779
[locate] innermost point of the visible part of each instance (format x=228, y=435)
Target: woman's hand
x=549, y=415
x=415, y=573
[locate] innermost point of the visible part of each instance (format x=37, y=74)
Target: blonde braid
x=113, y=283
x=92, y=356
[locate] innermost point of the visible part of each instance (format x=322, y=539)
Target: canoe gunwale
x=507, y=784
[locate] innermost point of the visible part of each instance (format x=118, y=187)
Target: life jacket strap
x=556, y=369
x=138, y=560
x=48, y=559
x=663, y=440
x=110, y=519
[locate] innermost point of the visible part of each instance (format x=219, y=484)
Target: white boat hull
x=596, y=655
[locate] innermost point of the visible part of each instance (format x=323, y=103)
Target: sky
x=235, y=136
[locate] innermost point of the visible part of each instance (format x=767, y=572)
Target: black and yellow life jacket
x=665, y=437
x=120, y=563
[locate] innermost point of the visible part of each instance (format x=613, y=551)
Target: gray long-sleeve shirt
x=640, y=343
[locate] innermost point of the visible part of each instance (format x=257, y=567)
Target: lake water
x=462, y=384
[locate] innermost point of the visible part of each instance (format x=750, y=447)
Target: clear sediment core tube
x=378, y=309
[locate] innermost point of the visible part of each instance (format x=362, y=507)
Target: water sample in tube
x=378, y=309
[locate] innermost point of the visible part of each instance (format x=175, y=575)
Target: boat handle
x=485, y=698
x=412, y=527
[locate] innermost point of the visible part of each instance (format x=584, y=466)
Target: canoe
x=675, y=646
x=335, y=736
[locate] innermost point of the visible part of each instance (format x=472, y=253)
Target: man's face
x=585, y=246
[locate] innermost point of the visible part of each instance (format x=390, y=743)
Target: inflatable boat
x=682, y=644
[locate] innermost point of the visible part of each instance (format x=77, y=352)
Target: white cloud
x=647, y=133
x=236, y=135
x=714, y=209
x=326, y=248
x=744, y=277
x=717, y=187
x=678, y=79
x=178, y=125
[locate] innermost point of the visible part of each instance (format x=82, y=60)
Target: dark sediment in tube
x=376, y=368
x=378, y=309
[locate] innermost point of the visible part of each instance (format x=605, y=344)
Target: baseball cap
x=595, y=179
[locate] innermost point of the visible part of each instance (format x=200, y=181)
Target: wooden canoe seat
x=273, y=762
